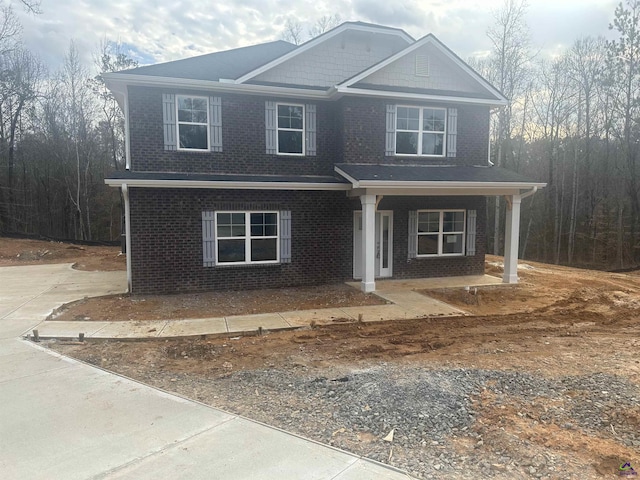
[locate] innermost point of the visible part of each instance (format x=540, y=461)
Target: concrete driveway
x=61, y=419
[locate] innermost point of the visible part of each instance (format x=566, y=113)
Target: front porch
x=372, y=183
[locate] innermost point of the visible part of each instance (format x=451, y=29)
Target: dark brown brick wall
x=434, y=266
x=166, y=239
x=243, y=139
x=351, y=130
x=364, y=134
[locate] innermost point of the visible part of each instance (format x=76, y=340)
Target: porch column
x=368, y=242
x=511, y=239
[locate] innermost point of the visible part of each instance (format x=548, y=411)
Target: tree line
x=572, y=121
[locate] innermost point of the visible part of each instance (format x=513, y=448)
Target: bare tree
x=508, y=71
x=324, y=24
x=292, y=32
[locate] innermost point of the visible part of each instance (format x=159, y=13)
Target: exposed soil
x=543, y=383
x=214, y=304
x=20, y=251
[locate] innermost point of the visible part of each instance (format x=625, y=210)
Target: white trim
x=441, y=233
x=421, y=130
x=428, y=39
x=234, y=185
x=247, y=237
x=303, y=131
x=207, y=125
x=418, y=96
x=116, y=81
x=317, y=41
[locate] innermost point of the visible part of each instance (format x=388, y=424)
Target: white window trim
x=304, y=126
x=421, y=131
x=247, y=237
x=441, y=234
x=207, y=125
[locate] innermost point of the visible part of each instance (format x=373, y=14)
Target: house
x=362, y=153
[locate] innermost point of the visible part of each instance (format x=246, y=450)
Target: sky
x=155, y=31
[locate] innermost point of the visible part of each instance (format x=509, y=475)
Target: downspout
x=529, y=193
x=127, y=142
x=127, y=229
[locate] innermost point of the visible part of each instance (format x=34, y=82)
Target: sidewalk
x=404, y=304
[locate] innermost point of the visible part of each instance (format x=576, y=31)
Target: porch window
x=247, y=237
x=291, y=137
x=440, y=232
x=420, y=131
x=193, y=122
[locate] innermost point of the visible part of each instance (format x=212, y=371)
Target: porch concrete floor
x=405, y=303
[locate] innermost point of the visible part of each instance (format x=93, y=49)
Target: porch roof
x=435, y=179
x=225, y=181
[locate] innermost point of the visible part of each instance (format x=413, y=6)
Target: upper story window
x=440, y=232
x=420, y=131
x=291, y=137
x=193, y=122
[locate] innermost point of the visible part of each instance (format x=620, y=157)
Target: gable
x=334, y=60
x=425, y=68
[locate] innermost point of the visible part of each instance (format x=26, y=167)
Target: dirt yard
x=543, y=383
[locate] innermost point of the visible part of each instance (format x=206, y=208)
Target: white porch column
x=511, y=239
x=368, y=242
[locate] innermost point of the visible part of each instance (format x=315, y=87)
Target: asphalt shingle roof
x=431, y=173
x=214, y=66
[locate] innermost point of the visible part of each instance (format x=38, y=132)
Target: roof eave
x=116, y=81
x=420, y=96
x=226, y=185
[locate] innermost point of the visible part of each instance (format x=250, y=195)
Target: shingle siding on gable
x=243, y=137
x=443, y=75
x=331, y=62
x=364, y=132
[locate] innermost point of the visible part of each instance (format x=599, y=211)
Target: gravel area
x=432, y=414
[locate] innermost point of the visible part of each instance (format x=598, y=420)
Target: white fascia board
x=227, y=185
x=448, y=184
x=317, y=41
x=418, y=96
x=115, y=80
x=429, y=39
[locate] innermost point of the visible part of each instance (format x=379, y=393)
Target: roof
x=372, y=174
x=214, y=66
x=230, y=181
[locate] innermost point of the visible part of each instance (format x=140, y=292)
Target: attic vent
x=422, y=65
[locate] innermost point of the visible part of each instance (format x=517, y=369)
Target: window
x=290, y=129
x=193, y=122
x=441, y=232
x=420, y=131
x=247, y=237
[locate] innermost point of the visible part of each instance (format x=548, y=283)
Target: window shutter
x=471, y=232
x=390, y=147
x=169, y=120
x=310, y=129
x=208, y=239
x=285, y=236
x=270, y=123
x=413, y=234
x=452, y=132
x=215, y=123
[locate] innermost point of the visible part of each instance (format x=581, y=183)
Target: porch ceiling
x=433, y=180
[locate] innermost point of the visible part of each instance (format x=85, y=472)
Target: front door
x=384, y=244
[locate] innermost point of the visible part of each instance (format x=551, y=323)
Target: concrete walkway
x=405, y=303
x=61, y=419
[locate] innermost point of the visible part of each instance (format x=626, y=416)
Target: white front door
x=384, y=244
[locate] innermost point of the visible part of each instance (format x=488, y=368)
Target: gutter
x=113, y=182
